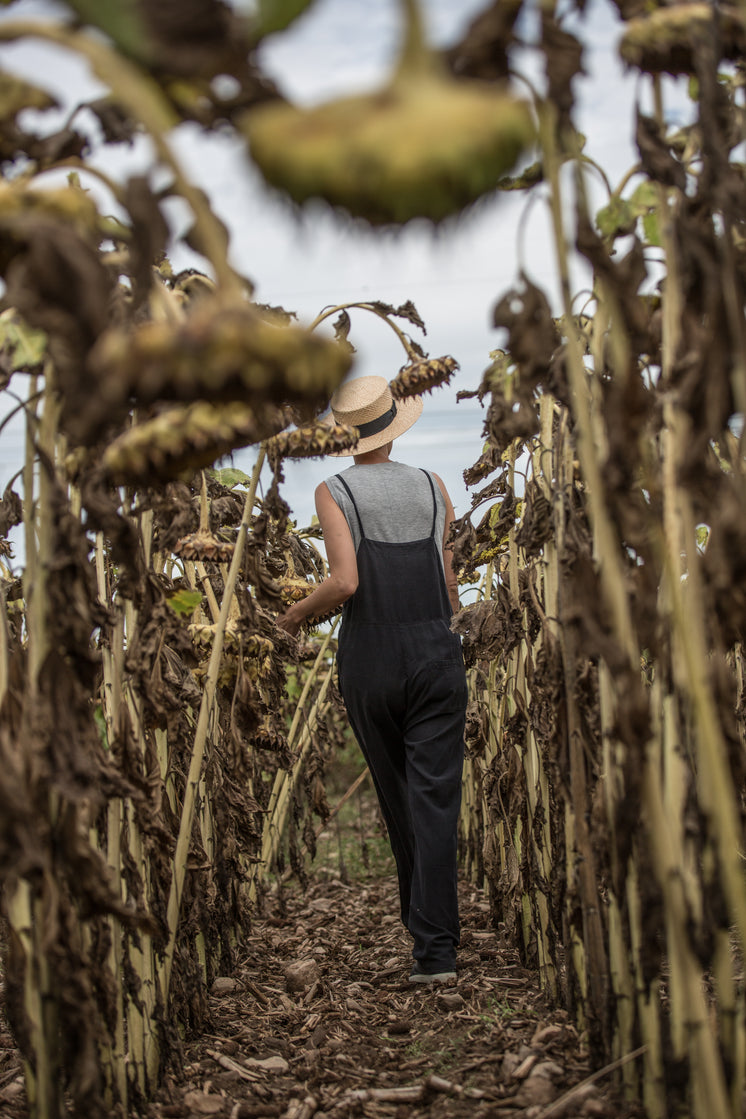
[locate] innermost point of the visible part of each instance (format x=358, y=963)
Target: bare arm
x=340, y=553
x=450, y=569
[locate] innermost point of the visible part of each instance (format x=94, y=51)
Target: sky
x=305, y=262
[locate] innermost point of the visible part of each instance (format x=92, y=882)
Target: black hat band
x=374, y=426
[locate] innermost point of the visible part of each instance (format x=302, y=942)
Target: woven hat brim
x=408, y=411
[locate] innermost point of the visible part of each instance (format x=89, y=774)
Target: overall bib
x=402, y=677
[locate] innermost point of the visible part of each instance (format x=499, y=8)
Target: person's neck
x=381, y=454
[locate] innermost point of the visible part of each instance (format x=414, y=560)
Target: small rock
x=312, y=1058
x=546, y=1034
x=537, y=1091
x=595, y=1108
x=510, y=1063
x=451, y=1000
x=268, y=1064
x=301, y=975
x=577, y=1101
x=203, y=1103
x=317, y=1038
x=322, y=905
x=550, y=1069
x=13, y=1090
x=224, y=985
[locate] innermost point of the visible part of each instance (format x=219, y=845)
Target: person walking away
x=401, y=669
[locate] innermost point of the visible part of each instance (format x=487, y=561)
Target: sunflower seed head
x=665, y=41
x=203, y=546
x=422, y=376
x=312, y=441
x=181, y=440
x=424, y=147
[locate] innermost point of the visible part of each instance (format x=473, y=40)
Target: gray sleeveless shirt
x=395, y=502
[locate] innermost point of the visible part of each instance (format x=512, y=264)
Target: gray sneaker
x=420, y=975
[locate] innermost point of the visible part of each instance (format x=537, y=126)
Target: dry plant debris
x=319, y=1020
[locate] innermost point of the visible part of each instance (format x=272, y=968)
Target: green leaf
x=616, y=218
x=645, y=197
x=230, y=476
x=22, y=348
x=184, y=602
x=276, y=15
x=651, y=226
x=121, y=21
x=100, y=720
x=703, y=535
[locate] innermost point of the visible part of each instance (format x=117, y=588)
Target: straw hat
x=367, y=404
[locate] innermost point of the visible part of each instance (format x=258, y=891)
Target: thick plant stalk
x=715, y=787
x=588, y=941
x=31, y=575
x=612, y=578
x=472, y=817
x=4, y=647
x=648, y=996
x=284, y=782
x=202, y=580
x=710, y=1093
x=730, y=1014
x=111, y=700
x=202, y=731
x=24, y=906
x=141, y=1019
x=41, y=1087
x=279, y=805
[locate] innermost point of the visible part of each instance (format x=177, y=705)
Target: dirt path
x=319, y=1020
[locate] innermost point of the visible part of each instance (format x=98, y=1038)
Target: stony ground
x=319, y=1020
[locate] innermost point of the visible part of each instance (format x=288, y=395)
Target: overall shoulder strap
x=435, y=503
x=354, y=504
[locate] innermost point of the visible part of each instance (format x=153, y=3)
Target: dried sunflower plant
x=155, y=762
x=603, y=802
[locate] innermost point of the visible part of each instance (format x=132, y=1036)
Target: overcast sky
x=454, y=275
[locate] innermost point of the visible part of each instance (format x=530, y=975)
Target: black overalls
x=401, y=674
